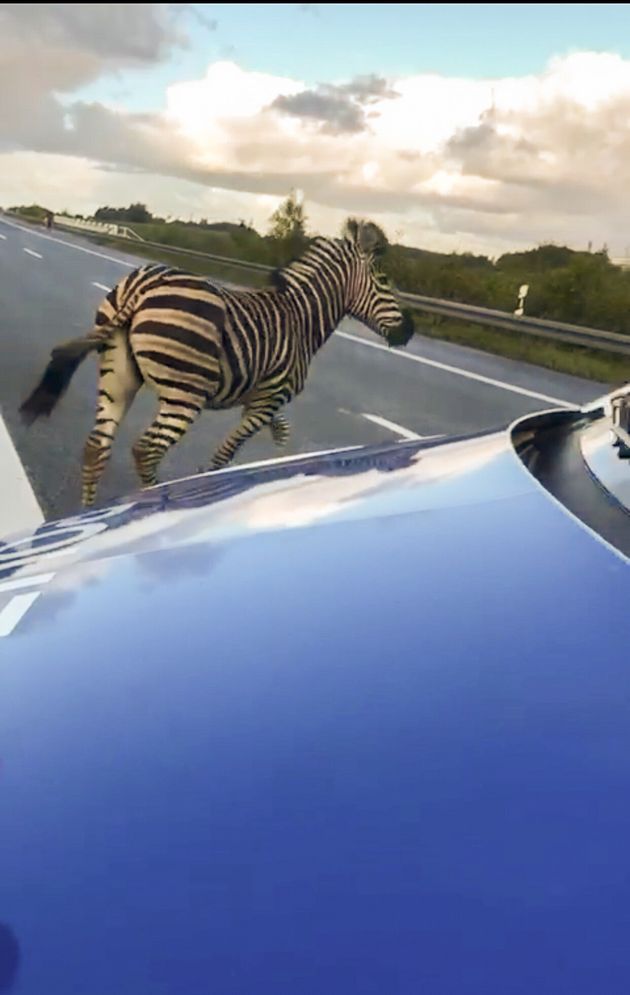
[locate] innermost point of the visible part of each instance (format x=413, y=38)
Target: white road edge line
x=37, y=255
x=19, y=508
x=404, y=433
x=457, y=370
x=3, y=237
x=70, y=245
x=101, y=286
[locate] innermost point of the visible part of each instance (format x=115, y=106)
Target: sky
x=457, y=127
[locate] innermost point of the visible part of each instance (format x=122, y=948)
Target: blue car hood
x=352, y=724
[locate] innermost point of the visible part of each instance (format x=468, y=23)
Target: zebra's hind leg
x=258, y=413
x=119, y=381
x=172, y=421
x=280, y=430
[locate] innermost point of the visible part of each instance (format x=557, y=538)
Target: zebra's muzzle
x=400, y=335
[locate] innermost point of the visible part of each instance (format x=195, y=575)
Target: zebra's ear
x=351, y=231
x=371, y=239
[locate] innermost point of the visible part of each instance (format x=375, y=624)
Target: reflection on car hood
x=352, y=725
x=370, y=483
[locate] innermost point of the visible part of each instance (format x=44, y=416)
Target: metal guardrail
x=594, y=338
x=96, y=227
x=554, y=330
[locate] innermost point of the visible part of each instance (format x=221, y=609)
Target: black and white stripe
x=200, y=346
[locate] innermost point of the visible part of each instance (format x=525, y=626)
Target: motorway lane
x=50, y=293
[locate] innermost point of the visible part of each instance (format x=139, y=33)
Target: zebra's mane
x=364, y=235
x=299, y=268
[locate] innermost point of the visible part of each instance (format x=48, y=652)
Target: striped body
x=199, y=345
x=190, y=336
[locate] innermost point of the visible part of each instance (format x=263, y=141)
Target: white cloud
x=60, y=181
x=226, y=93
x=480, y=165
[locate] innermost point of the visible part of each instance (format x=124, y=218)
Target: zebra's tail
x=65, y=359
x=114, y=313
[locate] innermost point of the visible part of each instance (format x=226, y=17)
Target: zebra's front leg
x=280, y=430
x=257, y=414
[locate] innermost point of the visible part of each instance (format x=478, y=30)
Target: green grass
x=176, y=235
x=591, y=364
x=33, y=213
x=205, y=267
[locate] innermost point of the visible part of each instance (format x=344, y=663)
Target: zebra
x=200, y=346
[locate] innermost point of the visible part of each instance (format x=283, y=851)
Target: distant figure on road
x=49, y=219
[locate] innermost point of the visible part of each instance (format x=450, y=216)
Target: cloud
x=338, y=109
x=368, y=89
x=444, y=162
x=336, y=113
x=135, y=32
x=192, y=10
x=52, y=49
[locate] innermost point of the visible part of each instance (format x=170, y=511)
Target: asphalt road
x=50, y=286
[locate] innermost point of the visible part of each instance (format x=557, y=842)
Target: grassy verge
x=206, y=267
x=591, y=364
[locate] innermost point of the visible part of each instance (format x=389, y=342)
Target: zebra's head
x=371, y=298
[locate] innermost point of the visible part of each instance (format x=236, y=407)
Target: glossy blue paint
x=357, y=725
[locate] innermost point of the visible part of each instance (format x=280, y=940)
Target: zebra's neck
x=314, y=292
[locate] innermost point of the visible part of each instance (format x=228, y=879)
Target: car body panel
x=357, y=724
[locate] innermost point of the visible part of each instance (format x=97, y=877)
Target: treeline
x=285, y=239
x=584, y=288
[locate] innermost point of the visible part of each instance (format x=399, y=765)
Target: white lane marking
x=404, y=433
x=31, y=253
x=457, y=370
x=20, y=582
x=16, y=609
x=101, y=286
x=19, y=509
x=3, y=237
x=70, y=245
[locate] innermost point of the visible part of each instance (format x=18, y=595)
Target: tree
x=288, y=228
x=135, y=212
x=138, y=212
